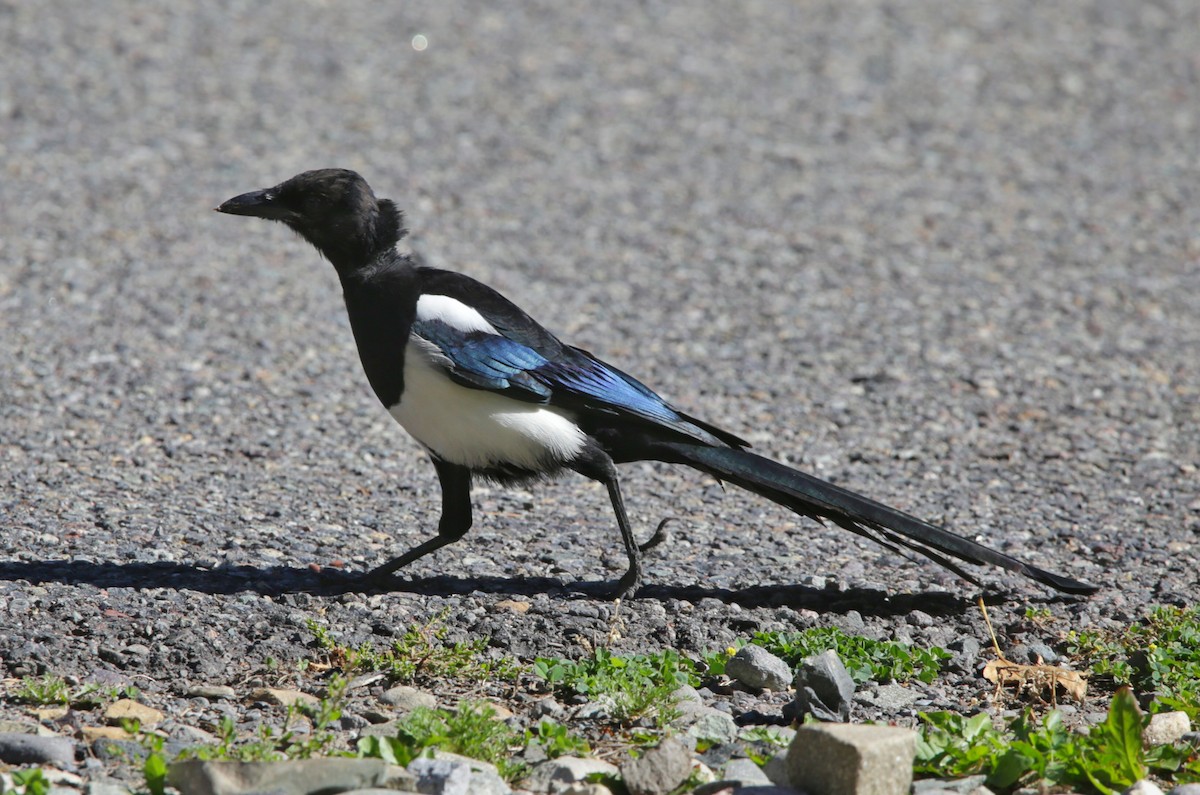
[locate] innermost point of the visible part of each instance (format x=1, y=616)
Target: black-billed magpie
x=490, y=393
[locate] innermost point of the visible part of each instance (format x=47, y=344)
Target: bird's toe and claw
x=629, y=584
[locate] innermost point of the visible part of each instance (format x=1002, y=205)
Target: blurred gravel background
x=946, y=254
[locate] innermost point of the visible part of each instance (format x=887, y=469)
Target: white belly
x=476, y=428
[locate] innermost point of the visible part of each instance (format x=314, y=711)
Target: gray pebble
x=17, y=748
x=756, y=667
x=212, y=692
x=824, y=689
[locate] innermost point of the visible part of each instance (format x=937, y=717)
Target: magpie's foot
x=628, y=585
x=660, y=536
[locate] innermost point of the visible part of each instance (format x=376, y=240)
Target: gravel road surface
x=947, y=255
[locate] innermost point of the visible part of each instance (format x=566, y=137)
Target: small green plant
x=865, y=659
x=30, y=781
x=556, y=740
x=1038, y=616
x=950, y=745
x=713, y=663
x=51, y=689
x=471, y=730
x=1108, y=759
x=154, y=768
x=43, y=691
x=764, y=742
x=631, y=687
x=420, y=655
x=768, y=735
x=272, y=746
x=1159, y=656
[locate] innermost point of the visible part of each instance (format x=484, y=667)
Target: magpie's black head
x=332, y=208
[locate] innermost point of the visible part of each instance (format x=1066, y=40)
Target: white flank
x=453, y=313
x=477, y=428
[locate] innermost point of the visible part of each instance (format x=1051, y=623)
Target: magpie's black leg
x=631, y=580
x=454, y=524
x=594, y=463
x=660, y=535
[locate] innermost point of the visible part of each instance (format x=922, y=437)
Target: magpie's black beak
x=258, y=203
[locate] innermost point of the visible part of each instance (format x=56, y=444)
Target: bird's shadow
x=278, y=580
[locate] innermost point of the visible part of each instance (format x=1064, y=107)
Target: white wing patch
x=453, y=313
x=474, y=427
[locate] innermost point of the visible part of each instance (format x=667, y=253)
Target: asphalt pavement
x=945, y=254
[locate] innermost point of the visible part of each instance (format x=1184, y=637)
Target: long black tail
x=817, y=499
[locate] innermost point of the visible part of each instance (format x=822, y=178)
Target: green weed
x=631, y=687
x=471, y=730
x=29, y=781
x=287, y=743
x=420, y=655
x=865, y=659
x=43, y=691
x=1108, y=759
x=557, y=740
x=1159, y=657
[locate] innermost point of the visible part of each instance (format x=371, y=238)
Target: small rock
x=441, y=776
x=105, y=786
x=534, y=754
x=61, y=778
x=966, y=654
x=970, y=785
x=593, y=710
x=18, y=748
x=919, y=618
x=352, y=722
x=714, y=726
x=385, y=729
x=586, y=788
x=476, y=765
x=1143, y=787
x=214, y=692
x=890, y=697
x=193, y=735
x=284, y=698
x=756, y=667
x=546, y=708
x=297, y=777
x=745, y=773
x=1033, y=654
x=658, y=770
x=557, y=774
x=406, y=699
x=454, y=777
x=852, y=623
x=776, y=770
x=686, y=694
x=127, y=709
x=823, y=688
x=365, y=680
x=1166, y=728
x=1186, y=789
x=50, y=714
x=840, y=759
x=499, y=711
x=93, y=733
x=124, y=751
x=17, y=727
